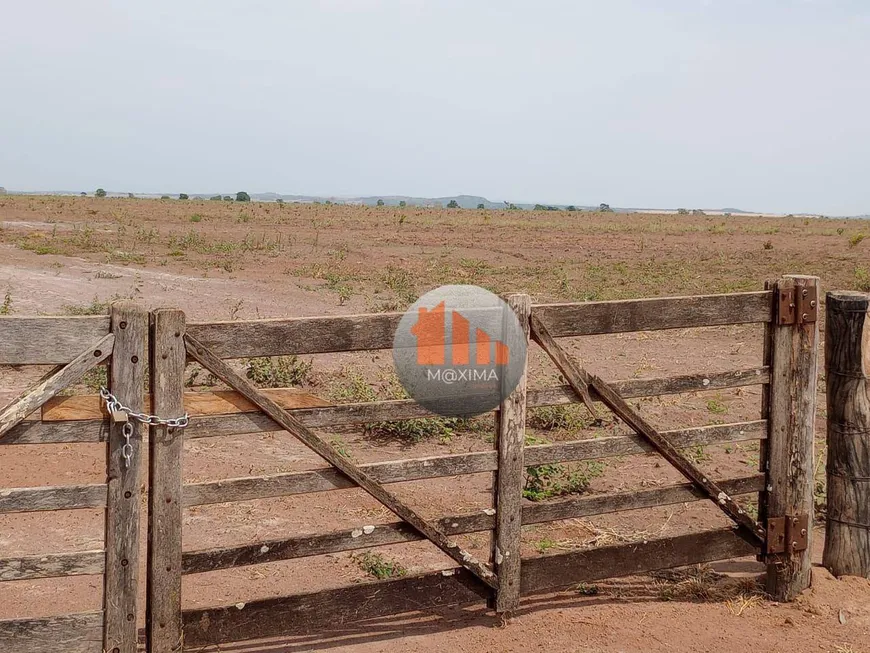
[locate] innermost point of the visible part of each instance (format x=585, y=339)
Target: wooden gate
x=783, y=483
x=785, y=427
x=72, y=346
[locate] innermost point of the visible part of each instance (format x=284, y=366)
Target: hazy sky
x=756, y=104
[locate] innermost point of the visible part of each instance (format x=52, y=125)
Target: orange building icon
x=431, y=332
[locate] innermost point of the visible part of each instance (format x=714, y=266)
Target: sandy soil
x=62, y=255
x=627, y=616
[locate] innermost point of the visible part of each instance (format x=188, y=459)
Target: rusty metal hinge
x=799, y=305
x=787, y=534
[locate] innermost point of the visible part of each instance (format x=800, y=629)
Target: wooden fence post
x=763, y=450
x=791, y=426
x=168, y=359
x=511, y=429
x=847, y=376
x=127, y=382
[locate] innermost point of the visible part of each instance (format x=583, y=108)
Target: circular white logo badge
x=459, y=350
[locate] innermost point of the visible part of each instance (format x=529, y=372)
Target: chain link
x=113, y=405
x=127, y=449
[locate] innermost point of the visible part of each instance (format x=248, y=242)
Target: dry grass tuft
x=742, y=602
x=603, y=536
x=700, y=583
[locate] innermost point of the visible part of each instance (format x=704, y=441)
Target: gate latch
x=787, y=534
x=799, y=305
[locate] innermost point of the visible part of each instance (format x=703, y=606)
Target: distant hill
x=464, y=201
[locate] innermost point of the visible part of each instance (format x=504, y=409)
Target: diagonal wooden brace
x=570, y=370
x=54, y=382
x=296, y=428
x=580, y=381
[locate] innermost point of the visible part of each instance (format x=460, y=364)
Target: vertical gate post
x=765, y=414
x=127, y=382
x=791, y=428
x=847, y=377
x=168, y=358
x=511, y=430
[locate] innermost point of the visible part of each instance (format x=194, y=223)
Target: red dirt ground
x=57, y=254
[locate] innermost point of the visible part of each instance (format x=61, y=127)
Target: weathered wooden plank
x=362, y=537
x=625, y=445
x=585, y=506
x=790, y=440
x=32, y=431
x=847, y=377
x=303, y=335
x=64, y=497
x=195, y=562
x=321, y=480
x=37, y=432
x=350, y=469
x=550, y=572
x=199, y=404
x=82, y=563
x=33, y=398
x=319, y=611
x=317, y=335
x=386, y=411
x=509, y=476
x=49, y=340
x=71, y=633
x=168, y=360
x=633, y=388
x=126, y=381
x=620, y=316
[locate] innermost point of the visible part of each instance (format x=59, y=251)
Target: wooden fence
x=73, y=346
x=784, y=482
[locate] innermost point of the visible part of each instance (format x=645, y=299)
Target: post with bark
x=794, y=338
x=847, y=376
x=511, y=428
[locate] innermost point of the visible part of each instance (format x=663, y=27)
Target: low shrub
x=278, y=371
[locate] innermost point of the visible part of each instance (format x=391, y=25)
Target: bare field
x=376, y=258
x=227, y=260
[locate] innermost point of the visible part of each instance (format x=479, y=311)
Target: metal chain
x=127, y=449
x=113, y=405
